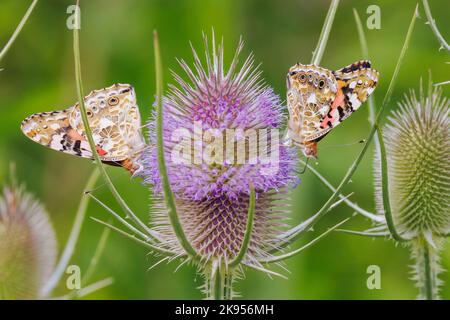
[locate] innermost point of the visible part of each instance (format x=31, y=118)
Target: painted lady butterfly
x=114, y=120
x=319, y=99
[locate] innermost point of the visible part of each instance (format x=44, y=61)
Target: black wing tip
x=358, y=65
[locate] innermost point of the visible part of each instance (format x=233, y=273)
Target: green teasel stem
x=365, y=52
x=379, y=143
x=364, y=234
x=297, y=231
x=228, y=284
x=87, y=290
x=433, y=26
x=92, y=265
x=385, y=190
x=442, y=83
x=361, y=34
x=168, y=194
x=426, y=268
x=304, y=247
x=72, y=241
x=216, y=283
x=354, y=206
x=325, y=33
x=18, y=30
x=429, y=283
x=248, y=230
x=390, y=89
x=134, y=238
x=87, y=128
x=129, y=226
x=96, y=257
x=384, y=174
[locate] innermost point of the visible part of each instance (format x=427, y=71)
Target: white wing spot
x=105, y=122
x=312, y=98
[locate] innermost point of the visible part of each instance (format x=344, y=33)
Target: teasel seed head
x=27, y=245
x=417, y=142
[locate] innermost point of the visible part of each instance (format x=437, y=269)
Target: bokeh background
x=116, y=40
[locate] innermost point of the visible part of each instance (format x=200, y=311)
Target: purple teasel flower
x=221, y=135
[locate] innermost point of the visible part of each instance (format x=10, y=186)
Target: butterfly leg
x=305, y=167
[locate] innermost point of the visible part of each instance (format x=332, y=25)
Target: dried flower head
x=417, y=140
x=27, y=245
x=220, y=137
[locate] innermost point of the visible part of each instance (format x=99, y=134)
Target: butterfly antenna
x=345, y=144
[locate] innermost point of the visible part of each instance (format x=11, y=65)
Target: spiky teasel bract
x=417, y=144
x=27, y=245
x=212, y=196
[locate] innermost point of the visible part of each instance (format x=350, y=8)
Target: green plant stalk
x=364, y=234
x=130, y=214
x=426, y=268
x=295, y=232
x=385, y=190
x=228, y=283
x=71, y=242
x=168, y=195
x=91, y=268
x=306, y=246
x=354, y=206
x=264, y=270
x=365, y=52
x=96, y=257
x=134, y=238
x=433, y=26
x=361, y=34
x=87, y=290
x=248, y=230
x=18, y=30
x=325, y=33
x=442, y=83
x=384, y=172
x=428, y=287
x=119, y=218
x=216, y=282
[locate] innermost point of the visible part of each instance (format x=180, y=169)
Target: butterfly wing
x=108, y=113
x=131, y=128
x=311, y=91
x=106, y=109
x=53, y=130
x=355, y=82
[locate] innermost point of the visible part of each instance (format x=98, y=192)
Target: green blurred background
x=116, y=40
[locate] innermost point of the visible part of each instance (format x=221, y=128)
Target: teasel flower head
x=27, y=245
x=417, y=144
x=417, y=140
x=225, y=122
